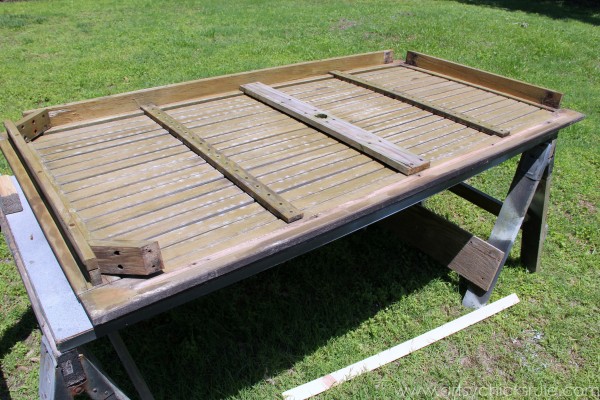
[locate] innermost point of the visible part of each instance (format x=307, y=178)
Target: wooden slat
x=216, y=221
x=113, y=183
x=188, y=210
x=183, y=252
x=80, y=181
x=470, y=256
x=244, y=180
x=57, y=142
x=358, y=138
x=162, y=201
x=87, y=210
x=424, y=104
x=499, y=83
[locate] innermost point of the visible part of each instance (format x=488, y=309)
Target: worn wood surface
x=107, y=303
x=242, y=178
x=377, y=147
x=9, y=198
x=506, y=85
x=412, y=99
x=471, y=257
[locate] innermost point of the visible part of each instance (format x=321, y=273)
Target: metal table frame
x=67, y=369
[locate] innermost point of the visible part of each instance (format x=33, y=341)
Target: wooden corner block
x=125, y=257
x=33, y=125
x=9, y=198
x=388, y=56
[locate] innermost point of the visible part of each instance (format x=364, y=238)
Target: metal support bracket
x=534, y=165
x=66, y=375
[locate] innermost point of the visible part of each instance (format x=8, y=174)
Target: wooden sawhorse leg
x=528, y=192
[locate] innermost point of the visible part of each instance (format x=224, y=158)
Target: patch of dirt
x=588, y=205
x=344, y=24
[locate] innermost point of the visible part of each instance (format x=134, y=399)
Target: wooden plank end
x=127, y=257
x=34, y=124
x=388, y=56
x=9, y=198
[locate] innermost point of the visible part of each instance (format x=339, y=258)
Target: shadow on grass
x=222, y=344
x=18, y=332
x=583, y=10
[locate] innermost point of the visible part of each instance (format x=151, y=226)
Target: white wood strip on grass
x=326, y=382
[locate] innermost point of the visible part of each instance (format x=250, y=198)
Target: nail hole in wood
x=117, y=253
x=120, y=266
x=321, y=115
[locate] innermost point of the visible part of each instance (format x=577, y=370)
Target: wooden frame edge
x=540, y=96
x=71, y=225
x=128, y=102
x=73, y=271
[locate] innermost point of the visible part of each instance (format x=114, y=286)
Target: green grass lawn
x=366, y=292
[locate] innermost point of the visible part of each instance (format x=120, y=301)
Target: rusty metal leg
x=53, y=385
x=64, y=375
x=531, y=168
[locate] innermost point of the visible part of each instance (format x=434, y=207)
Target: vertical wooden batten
x=230, y=169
